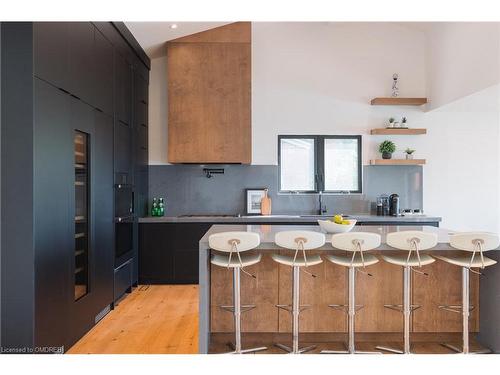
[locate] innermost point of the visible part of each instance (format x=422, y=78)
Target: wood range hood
x=209, y=96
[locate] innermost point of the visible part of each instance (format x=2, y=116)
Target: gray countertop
x=286, y=219
x=267, y=233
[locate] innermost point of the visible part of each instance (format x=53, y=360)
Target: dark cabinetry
x=53, y=156
x=83, y=64
x=169, y=252
x=123, y=82
x=103, y=55
x=61, y=99
x=77, y=58
x=57, y=116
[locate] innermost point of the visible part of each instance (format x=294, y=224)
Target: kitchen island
x=273, y=286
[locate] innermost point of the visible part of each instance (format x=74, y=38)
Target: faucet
x=321, y=208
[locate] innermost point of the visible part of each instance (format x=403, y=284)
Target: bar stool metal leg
x=406, y=310
x=295, y=311
x=465, y=318
x=351, y=312
x=237, y=315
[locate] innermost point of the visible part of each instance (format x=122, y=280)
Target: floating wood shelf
x=398, y=101
x=397, y=162
x=397, y=131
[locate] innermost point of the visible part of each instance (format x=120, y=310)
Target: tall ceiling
x=153, y=35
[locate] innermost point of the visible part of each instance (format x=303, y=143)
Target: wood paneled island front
x=272, y=286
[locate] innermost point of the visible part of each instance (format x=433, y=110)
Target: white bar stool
x=413, y=242
x=235, y=243
x=300, y=241
x=474, y=243
x=357, y=243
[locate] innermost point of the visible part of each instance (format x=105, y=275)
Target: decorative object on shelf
x=254, y=200
x=395, y=88
x=409, y=153
x=391, y=122
x=387, y=148
x=266, y=203
x=404, y=124
x=396, y=124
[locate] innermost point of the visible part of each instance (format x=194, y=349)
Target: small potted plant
x=409, y=153
x=387, y=148
x=391, y=122
x=404, y=123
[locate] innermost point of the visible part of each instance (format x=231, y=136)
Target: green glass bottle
x=161, y=207
x=154, y=208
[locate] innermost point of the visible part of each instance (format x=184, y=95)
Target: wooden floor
x=163, y=319
x=151, y=320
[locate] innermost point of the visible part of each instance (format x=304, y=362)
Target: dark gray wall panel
x=188, y=191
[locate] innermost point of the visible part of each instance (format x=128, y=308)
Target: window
x=326, y=163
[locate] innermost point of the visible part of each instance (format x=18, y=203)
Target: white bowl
x=331, y=227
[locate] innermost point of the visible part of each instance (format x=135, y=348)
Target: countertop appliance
x=383, y=205
x=394, y=205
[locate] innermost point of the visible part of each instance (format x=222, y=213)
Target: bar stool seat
x=402, y=260
x=464, y=261
x=312, y=260
x=348, y=261
x=246, y=260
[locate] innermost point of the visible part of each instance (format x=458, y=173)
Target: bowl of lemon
x=337, y=224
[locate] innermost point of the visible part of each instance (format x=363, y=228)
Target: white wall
x=462, y=179
x=462, y=58
x=319, y=78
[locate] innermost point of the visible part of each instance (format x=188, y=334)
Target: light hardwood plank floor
x=153, y=319
x=163, y=319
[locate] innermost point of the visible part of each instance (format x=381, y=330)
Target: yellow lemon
x=346, y=222
x=338, y=219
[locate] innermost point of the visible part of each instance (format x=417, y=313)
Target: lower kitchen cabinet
x=168, y=252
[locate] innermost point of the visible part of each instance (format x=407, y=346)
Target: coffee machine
x=394, y=205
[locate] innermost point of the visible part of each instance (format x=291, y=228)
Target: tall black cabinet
x=70, y=135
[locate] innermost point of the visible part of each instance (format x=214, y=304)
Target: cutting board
x=265, y=204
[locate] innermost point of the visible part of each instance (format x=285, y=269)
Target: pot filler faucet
x=321, y=208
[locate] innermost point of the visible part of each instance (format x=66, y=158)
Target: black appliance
x=383, y=205
x=124, y=223
x=394, y=205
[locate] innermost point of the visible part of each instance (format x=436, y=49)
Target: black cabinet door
x=123, y=89
x=82, y=64
x=186, y=255
x=54, y=228
x=156, y=253
x=103, y=60
x=103, y=256
x=51, y=52
x=169, y=252
x=123, y=153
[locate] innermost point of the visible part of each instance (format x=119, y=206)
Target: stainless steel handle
x=121, y=219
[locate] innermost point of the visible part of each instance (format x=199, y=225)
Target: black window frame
x=319, y=164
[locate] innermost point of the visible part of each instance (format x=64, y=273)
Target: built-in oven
x=124, y=223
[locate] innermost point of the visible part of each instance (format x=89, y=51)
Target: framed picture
x=253, y=199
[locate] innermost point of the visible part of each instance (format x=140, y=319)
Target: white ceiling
x=153, y=35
